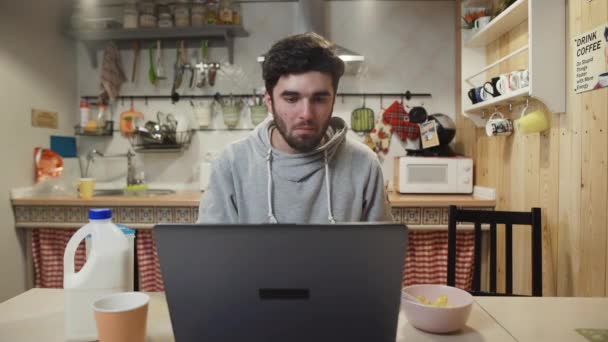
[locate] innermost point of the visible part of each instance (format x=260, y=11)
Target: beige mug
x=122, y=317
x=498, y=125
x=86, y=187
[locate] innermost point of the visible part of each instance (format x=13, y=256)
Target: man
x=298, y=167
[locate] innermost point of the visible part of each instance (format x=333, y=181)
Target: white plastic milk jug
x=105, y=271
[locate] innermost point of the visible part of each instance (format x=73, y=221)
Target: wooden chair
x=508, y=218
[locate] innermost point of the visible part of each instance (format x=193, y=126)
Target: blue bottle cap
x=100, y=214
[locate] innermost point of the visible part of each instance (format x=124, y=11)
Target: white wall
x=37, y=70
x=408, y=45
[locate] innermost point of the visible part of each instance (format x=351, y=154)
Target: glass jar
x=147, y=20
x=146, y=7
x=163, y=9
x=225, y=12
x=197, y=15
x=182, y=16
x=211, y=12
x=130, y=17
x=236, y=13
x=165, y=20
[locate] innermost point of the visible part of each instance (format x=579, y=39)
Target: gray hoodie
x=252, y=182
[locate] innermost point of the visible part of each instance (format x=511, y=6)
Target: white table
x=547, y=318
x=37, y=315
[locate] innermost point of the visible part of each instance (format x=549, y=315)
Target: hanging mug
x=203, y=113
x=259, y=112
x=533, y=122
x=498, y=125
x=231, y=110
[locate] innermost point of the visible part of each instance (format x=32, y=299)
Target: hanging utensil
x=192, y=72
x=184, y=64
x=202, y=66
x=362, y=119
x=136, y=49
x=174, y=94
x=160, y=70
x=212, y=72
x=151, y=70
x=178, y=67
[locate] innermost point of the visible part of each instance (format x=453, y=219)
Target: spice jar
x=225, y=12
x=211, y=12
x=182, y=16
x=130, y=16
x=147, y=20
x=197, y=15
x=147, y=7
x=236, y=13
x=165, y=20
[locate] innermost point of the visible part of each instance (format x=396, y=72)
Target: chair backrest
x=508, y=218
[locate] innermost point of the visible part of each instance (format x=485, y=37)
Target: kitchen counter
x=417, y=211
x=49, y=222
x=180, y=198
x=192, y=198
x=439, y=200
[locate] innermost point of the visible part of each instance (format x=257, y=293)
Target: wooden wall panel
x=563, y=170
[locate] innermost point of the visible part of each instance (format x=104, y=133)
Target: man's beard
x=299, y=144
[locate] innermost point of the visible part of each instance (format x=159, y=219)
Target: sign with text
x=591, y=60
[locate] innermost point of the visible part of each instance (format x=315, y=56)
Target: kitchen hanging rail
x=407, y=95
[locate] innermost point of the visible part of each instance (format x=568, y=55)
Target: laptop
x=282, y=282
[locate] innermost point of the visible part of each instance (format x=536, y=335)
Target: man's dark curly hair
x=298, y=54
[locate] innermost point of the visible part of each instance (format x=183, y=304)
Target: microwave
x=433, y=175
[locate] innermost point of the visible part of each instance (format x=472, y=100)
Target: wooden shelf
x=546, y=57
x=502, y=100
x=203, y=32
x=503, y=23
x=222, y=35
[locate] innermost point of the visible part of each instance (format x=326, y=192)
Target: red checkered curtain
x=48, y=246
x=426, y=260
x=150, y=278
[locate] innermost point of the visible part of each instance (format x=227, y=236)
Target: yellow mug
x=533, y=122
x=86, y=187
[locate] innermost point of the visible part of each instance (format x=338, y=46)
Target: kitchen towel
x=396, y=116
x=381, y=136
x=112, y=74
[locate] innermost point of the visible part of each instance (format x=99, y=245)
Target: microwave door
x=430, y=178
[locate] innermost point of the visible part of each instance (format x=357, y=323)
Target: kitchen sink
x=121, y=192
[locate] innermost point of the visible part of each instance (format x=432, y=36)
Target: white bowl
x=437, y=319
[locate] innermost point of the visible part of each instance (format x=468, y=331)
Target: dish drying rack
x=165, y=142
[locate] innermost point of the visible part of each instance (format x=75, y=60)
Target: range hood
x=312, y=19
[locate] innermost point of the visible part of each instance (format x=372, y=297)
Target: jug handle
x=70, y=249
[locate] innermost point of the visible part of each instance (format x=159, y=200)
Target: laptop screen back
x=283, y=282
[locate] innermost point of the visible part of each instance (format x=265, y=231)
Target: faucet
x=131, y=179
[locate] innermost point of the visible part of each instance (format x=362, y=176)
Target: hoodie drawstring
x=271, y=217
x=328, y=182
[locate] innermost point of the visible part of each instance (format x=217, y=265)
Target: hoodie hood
x=297, y=167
